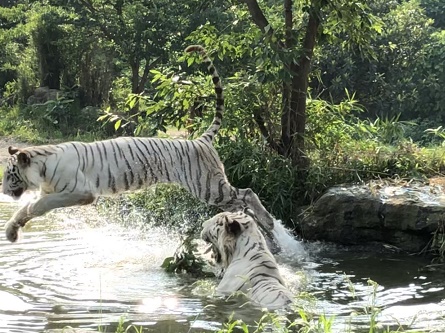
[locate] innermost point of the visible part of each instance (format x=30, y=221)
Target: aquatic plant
x=304, y=319
x=120, y=328
x=185, y=259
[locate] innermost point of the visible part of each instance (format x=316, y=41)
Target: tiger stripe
x=241, y=251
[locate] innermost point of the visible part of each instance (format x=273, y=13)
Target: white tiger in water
x=240, y=248
x=75, y=173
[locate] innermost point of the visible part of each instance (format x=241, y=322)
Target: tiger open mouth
x=216, y=255
x=16, y=194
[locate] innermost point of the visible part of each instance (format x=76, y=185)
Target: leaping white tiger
x=75, y=173
x=249, y=267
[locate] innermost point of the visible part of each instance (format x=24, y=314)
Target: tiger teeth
x=208, y=249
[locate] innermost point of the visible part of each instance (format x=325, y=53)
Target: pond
x=74, y=268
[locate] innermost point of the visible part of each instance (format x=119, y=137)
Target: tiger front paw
x=12, y=231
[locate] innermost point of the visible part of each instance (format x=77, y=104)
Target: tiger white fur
x=249, y=267
x=76, y=173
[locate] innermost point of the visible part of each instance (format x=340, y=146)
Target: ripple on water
x=74, y=268
x=77, y=273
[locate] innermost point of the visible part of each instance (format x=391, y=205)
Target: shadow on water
x=74, y=268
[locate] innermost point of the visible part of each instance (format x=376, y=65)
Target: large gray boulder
x=44, y=94
x=402, y=216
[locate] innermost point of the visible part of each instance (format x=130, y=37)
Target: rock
x=44, y=94
x=402, y=216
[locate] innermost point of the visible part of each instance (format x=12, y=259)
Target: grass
x=38, y=128
x=305, y=320
x=129, y=329
x=302, y=319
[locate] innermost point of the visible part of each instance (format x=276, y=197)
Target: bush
x=49, y=122
x=163, y=205
x=271, y=176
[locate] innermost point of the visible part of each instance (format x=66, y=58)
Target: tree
x=142, y=34
x=295, y=39
x=46, y=34
x=435, y=10
x=402, y=77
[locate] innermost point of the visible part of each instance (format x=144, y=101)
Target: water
x=76, y=269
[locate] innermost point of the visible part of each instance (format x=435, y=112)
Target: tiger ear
x=12, y=150
x=23, y=159
x=232, y=227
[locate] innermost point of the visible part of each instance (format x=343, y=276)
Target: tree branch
x=258, y=17
x=263, y=24
x=300, y=86
x=260, y=20
x=95, y=14
x=89, y=5
x=147, y=68
x=264, y=131
x=286, y=90
x=288, y=23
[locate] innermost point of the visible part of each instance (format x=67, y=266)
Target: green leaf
x=167, y=261
x=117, y=124
x=132, y=101
x=101, y=118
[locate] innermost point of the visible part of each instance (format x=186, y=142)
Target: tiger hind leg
x=239, y=199
x=246, y=200
x=249, y=199
x=260, y=214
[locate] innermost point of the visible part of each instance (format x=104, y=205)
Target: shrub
x=164, y=205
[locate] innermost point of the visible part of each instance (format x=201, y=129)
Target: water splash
x=291, y=249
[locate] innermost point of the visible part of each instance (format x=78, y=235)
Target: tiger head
x=223, y=231
x=14, y=181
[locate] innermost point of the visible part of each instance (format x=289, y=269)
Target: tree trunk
x=286, y=131
x=49, y=57
x=294, y=93
x=300, y=78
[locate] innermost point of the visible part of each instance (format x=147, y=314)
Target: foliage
x=49, y=122
x=136, y=69
x=173, y=98
x=121, y=327
x=401, y=78
x=272, y=177
x=185, y=259
x=388, y=130
x=434, y=9
x=62, y=115
x=162, y=205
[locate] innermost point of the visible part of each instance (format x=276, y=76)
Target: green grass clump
x=54, y=121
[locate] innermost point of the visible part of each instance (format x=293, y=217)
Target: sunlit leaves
x=117, y=124
x=351, y=24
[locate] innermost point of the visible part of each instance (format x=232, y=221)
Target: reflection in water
x=11, y=303
x=76, y=269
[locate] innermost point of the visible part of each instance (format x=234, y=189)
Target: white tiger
x=75, y=173
x=249, y=267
